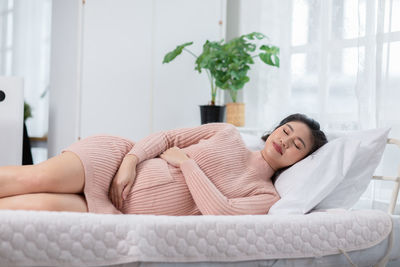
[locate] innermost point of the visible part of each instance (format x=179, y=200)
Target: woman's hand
x=123, y=181
x=174, y=156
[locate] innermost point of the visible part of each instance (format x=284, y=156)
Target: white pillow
x=334, y=176
x=302, y=186
x=370, y=152
x=253, y=142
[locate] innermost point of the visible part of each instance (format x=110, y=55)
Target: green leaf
x=174, y=53
x=276, y=61
x=251, y=47
x=27, y=111
x=270, y=56
x=270, y=49
x=266, y=58
x=228, y=63
x=253, y=35
x=235, y=74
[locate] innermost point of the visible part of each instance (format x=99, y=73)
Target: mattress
x=45, y=238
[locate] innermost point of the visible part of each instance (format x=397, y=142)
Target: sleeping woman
x=204, y=170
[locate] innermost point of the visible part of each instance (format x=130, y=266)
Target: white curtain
x=339, y=64
x=25, y=28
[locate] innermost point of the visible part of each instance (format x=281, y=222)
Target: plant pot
x=235, y=114
x=211, y=113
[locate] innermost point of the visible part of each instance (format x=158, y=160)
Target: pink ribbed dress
x=222, y=177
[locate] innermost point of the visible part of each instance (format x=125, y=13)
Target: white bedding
x=43, y=238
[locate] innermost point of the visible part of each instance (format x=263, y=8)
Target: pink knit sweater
x=222, y=176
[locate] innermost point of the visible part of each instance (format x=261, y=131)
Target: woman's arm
x=123, y=181
x=206, y=195
x=156, y=143
x=211, y=201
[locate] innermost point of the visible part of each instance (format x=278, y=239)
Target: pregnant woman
x=188, y=171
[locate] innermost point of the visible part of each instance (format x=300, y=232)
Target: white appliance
x=11, y=120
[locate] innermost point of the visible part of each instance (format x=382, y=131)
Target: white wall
x=178, y=88
x=64, y=74
x=116, y=68
x=107, y=73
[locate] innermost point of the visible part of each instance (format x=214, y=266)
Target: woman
x=189, y=171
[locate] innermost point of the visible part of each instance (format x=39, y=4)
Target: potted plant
x=238, y=55
x=211, y=50
x=227, y=64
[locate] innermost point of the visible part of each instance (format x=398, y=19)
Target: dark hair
x=318, y=137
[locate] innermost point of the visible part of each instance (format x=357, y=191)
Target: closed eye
x=301, y=140
x=296, y=145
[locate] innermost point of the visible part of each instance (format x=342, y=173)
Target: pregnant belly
x=151, y=173
x=159, y=189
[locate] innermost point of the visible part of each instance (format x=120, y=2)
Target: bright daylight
x=200, y=133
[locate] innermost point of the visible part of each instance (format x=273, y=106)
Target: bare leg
x=63, y=173
x=45, y=201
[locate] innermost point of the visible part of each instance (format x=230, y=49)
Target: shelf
x=38, y=141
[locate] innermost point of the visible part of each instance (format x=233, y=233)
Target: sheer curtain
x=25, y=27
x=339, y=65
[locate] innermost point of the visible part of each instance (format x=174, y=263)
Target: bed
x=334, y=237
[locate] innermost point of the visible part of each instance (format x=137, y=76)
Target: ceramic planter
x=235, y=114
x=211, y=113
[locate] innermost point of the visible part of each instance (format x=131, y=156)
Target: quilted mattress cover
x=45, y=238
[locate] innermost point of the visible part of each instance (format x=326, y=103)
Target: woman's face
x=287, y=144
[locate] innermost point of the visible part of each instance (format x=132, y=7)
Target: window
x=338, y=65
x=6, y=31
x=25, y=52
